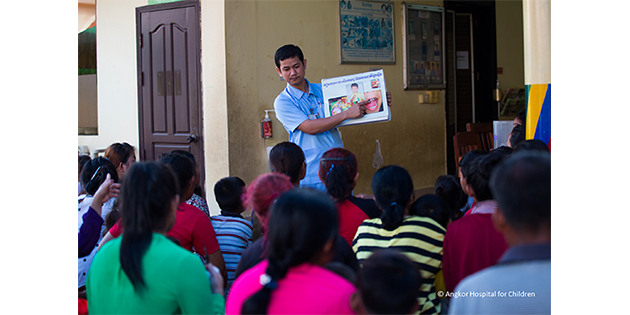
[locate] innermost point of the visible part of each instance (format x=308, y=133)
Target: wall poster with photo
x=423, y=45
x=366, y=30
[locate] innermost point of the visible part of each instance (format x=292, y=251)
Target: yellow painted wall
x=414, y=138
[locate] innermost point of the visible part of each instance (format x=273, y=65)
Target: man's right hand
x=356, y=111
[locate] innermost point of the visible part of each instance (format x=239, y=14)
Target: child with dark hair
x=291, y=279
x=234, y=233
x=288, y=158
x=418, y=237
x=94, y=173
x=516, y=136
x=338, y=170
x=388, y=283
x=472, y=243
x=195, y=200
x=431, y=206
x=532, y=145
x=143, y=272
x=464, y=165
x=448, y=187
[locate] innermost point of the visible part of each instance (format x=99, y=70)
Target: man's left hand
x=389, y=98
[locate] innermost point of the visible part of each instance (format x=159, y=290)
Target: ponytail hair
x=337, y=169
x=392, y=187
x=302, y=221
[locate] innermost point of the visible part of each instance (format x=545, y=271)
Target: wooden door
x=169, y=101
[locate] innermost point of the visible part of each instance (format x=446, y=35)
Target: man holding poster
x=300, y=109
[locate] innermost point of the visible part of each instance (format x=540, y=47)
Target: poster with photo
x=342, y=92
x=423, y=46
x=366, y=31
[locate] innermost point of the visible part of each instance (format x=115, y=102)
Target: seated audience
x=464, y=164
x=94, y=173
x=505, y=150
x=196, y=200
x=262, y=192
x=516, y=136
x=288, y=158
x=388, y=283
x=122, y=156
x=419, y=238
x=431, y=206
x=338, y=170
x=472, y=243
x=192, y=229
x=234, y=233
x=92, y=220
x=522, y=187
x=143, y=272
x=448, y=187
x=532, y=145
x=301, y=233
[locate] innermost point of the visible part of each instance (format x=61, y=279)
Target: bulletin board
x=366, y=31
x=423, y=45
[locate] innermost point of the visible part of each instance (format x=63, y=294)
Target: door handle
x=192, y=138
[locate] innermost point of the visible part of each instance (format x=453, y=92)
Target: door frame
x=197, y=63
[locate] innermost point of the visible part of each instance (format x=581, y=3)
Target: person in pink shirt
x=292, y=279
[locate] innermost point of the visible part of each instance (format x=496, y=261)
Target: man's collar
x=527, y=252
x=297, y=93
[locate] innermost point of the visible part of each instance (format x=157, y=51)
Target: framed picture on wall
x=366, y=30
x=423, y=47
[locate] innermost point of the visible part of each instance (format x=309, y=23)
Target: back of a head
x=94, y=173
x=228, y=192
x=287, y=158
x=392, y=187
x=505, y=150
x=522, y=187
x=516, y=136
x=521, y=117
x=145, y=201
x=288, y=51
x=431, y=206
x=301, y=222
x=389, y=283
x=182, y=166
x=119, y=153
x=531, y=145
x=338, y=168
x=467, y=159
x=264, y=190
x=448, y=188
x=184, y=153
x=480, y=171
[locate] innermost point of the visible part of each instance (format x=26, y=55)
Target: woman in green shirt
x=144, y=272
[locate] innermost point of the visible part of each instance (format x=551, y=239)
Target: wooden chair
x=485, y=131
x=465, y=142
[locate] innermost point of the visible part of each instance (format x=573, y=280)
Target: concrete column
x=214, y=96
x=537, y=55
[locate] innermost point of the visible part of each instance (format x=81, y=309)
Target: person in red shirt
x=472, y=243
x=338, y=171
x=192, y=229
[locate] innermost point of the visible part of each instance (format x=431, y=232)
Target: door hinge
x=140, y=41
x=142, y=78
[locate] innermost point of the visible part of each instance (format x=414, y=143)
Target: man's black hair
x=288, y=51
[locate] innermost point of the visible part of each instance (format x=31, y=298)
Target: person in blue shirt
x=300, y=109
